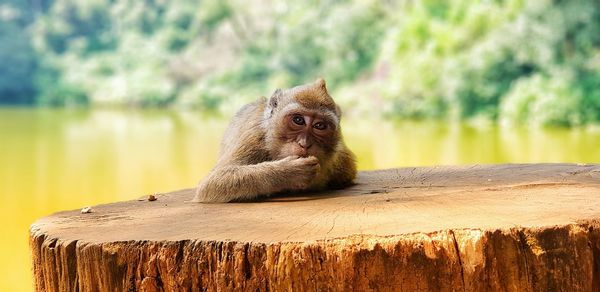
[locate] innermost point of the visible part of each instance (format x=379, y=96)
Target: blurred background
x=104, y=100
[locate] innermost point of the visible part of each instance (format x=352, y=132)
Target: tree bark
x=524, y=227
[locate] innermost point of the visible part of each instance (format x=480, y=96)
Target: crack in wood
x=460, y=263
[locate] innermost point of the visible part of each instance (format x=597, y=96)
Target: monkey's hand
x=300, y=171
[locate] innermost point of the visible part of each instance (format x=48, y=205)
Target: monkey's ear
x=273, y=102
x=274, y=99
x=321, y=83
x=338, y=111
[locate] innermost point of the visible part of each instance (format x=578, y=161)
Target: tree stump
x=522, y=227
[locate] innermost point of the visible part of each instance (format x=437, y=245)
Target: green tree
x=19, y=60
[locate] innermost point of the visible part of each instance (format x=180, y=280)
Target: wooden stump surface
x=522, y=227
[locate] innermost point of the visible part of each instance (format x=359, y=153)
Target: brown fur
x=261, y=155
x=313, y=96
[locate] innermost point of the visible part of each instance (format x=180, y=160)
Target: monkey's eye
x=298, y=120
x=320, y=126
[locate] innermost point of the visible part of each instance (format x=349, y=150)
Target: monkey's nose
x=303, y=149
x=304, y=144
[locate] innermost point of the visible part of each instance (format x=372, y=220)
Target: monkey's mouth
x=293, y=149
x=301, y=152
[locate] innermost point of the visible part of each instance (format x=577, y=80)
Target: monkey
x=291, y=141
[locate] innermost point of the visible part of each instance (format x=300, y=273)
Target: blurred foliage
x=19, y=60
x=517, y=61
x=514, y=61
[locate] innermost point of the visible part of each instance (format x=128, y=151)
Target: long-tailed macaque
x=292, y=141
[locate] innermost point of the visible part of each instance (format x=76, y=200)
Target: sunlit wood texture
x=527, y=227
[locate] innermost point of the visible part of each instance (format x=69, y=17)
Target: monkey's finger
x=291, y=157
x=310, y=160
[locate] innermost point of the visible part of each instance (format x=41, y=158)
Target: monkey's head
x=303, y=121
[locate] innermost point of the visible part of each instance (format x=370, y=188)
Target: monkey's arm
x=343, y=171
x=243, y=182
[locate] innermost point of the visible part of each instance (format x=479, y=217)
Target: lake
x=58, y=159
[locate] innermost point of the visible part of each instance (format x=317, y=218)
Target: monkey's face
x=305, y=132
x=304, y=121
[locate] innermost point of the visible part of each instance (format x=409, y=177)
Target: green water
x=57, y=159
